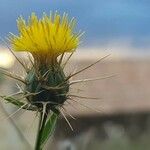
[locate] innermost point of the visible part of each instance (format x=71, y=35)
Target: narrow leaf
x=18, y=103
x=13, y=101
x=49, y=128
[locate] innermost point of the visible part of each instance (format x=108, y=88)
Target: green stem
x=38, y=132
x=42, y=122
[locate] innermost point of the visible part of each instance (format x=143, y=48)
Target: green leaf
x=18, y=103
x=13, y=101
x=49, y=128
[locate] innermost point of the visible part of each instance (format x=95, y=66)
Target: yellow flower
x=52, y=35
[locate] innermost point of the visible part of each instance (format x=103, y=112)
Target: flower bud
x=49, y=86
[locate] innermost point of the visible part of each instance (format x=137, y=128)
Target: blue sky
x=102, y=20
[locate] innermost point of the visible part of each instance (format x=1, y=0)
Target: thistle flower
x=46, y=39
x=46, y=86
x=52, y=35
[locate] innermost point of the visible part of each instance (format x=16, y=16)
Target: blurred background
x=120, y=118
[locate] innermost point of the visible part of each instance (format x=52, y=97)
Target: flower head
x=46, y=87
x=50, y=35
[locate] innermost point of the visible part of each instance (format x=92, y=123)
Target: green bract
x=49, y=85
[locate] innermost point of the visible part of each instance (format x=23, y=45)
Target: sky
x=104, y=21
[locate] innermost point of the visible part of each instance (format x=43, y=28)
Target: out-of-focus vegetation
x=113, y=143
x=121, y=143
x=118, y=132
